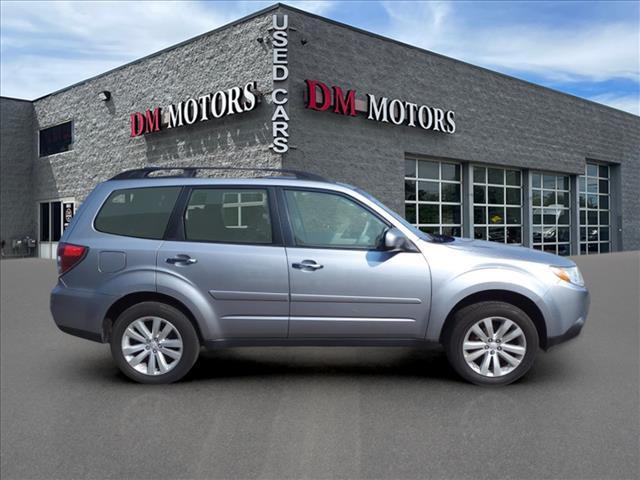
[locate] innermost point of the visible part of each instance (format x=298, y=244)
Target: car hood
x=501, y=251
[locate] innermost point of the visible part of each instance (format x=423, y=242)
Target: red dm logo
x=147, y=123
x=320, y=97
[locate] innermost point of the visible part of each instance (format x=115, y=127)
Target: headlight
x=569, y=274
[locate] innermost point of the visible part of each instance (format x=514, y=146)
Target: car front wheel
x=492, y=343
x=155, y=343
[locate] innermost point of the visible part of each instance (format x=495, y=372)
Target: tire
x=165, y=358
x=469, y=352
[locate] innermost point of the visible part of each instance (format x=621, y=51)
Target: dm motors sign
x=321, y=97
x=206, y=107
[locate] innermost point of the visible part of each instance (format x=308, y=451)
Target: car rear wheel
x=492, y=343
x=155, y=343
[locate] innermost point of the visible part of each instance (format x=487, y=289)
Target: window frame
x=176, y=230
x=73, y=138
x=486, y=205
x=287, y=224
x=586, y=209
x=440, y=203
x=542, y=225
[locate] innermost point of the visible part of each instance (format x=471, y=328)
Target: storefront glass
x=497, y=204
x=550, y=205
x=433, y=196
x=594, y=209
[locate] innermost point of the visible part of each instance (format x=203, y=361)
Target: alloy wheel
x=494, y=346
x=152, y=345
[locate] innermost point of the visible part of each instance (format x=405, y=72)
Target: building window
x=433, y=197
x=238, y=206
x=56, y=139
x=550, y=205
x=594, y=209
x=497, y=205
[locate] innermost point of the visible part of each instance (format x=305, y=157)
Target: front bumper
x=567, y=309
x=80, y=312
x=573, y=332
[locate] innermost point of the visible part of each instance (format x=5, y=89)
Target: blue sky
x=588, y=49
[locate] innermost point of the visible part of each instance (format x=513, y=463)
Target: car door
x=342, y=283
x=228, y=245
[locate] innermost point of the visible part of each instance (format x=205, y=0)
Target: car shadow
x=321, y=362
x=316, y=363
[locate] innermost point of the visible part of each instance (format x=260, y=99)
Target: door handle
x=307, y=265
x=181, y=260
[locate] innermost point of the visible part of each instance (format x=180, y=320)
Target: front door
x=53, y=218
x=230, y=248
x=342, y=283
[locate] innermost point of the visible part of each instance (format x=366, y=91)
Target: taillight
x=69, y=255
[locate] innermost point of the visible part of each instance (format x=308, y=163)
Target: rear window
x=137, y=212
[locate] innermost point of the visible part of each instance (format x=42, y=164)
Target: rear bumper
x=80, y=312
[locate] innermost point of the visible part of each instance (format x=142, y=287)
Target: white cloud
x=593, y=52
x=46, y=46
x=628, y=103
x=49, y=45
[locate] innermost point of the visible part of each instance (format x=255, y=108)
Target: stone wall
x=17, y=143
x=102, y=142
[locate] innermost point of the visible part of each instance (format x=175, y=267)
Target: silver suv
x=160, y=263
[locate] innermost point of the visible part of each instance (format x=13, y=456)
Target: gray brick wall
x=499, y=120
x=102, y=143
x=16, y=154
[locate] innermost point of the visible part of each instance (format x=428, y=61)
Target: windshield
x=419, y=233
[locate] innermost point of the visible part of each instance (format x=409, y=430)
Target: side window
x=320, y=219
x=137, y=212
x=228, y=216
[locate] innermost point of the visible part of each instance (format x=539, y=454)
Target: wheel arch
x=519, y=300
x=134, y=298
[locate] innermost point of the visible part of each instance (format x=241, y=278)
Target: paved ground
x=319, y=413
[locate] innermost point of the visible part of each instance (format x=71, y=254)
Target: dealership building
x=457, y=149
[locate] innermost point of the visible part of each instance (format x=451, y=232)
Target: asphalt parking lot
x=66, y=411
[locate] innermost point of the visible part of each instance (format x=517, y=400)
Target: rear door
x=342, y=283
x=228, y=244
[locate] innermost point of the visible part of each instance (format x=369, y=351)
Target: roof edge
x=16, y=99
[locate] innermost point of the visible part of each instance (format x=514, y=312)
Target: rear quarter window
x=137, y=212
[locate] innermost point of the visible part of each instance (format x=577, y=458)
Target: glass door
x=53, y=218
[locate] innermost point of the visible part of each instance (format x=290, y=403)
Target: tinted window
x=56, y=221
x=228, y=216
x=56, y=139
x=138, y=212
x=327, y=220
x=44, y=222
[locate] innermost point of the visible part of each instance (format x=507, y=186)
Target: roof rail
x=191, y=172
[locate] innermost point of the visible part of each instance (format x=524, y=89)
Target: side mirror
x=395, y=241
